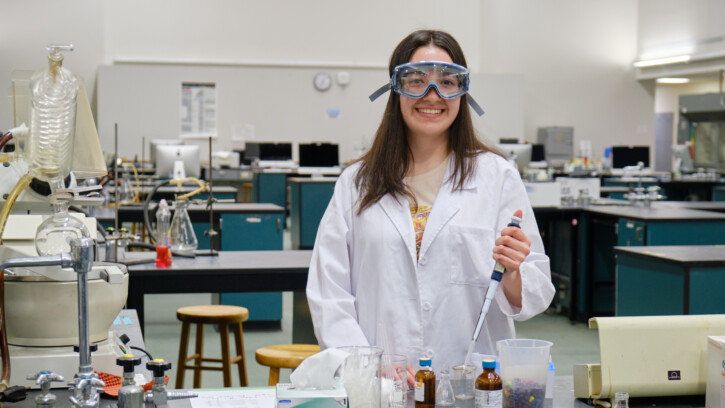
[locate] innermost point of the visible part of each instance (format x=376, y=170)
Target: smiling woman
x=405, y=250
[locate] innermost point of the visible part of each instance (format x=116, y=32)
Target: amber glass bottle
x=425, y=385
x=489, y=387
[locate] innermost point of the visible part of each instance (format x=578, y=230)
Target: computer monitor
x=319, y=155
x=520, y=153
x=623, y=156
x=155, y=143
x=251, y=153
x=166, y=155
x=275, y=151
x=538, y=153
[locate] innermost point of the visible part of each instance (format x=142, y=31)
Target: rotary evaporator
x=55, y=296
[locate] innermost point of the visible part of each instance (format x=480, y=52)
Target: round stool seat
x=212, y=314
x=285, y=355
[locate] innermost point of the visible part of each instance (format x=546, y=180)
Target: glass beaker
x=464, y=377
x=53, y=235
x=183, y=238
x=360, y=373
x=444, y=392
x=394, y=383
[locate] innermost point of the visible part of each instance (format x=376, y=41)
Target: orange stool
x=283, y=356
x=223, y=316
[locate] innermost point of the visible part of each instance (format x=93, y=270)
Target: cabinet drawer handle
x=637, y=234
x=254, y=220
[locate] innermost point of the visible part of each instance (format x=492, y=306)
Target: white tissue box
x=288, y=397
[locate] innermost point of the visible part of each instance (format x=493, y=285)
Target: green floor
x=573, y=343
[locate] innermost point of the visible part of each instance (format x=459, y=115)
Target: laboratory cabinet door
x=270, y=188
x=254, y=232
x=630, y=232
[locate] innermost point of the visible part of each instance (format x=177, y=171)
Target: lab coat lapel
x=399, y=214
x=446, y=205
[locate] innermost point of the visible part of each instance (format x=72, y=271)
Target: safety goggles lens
x=414, y=79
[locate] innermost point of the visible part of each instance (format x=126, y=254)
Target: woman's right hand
x=411, y=376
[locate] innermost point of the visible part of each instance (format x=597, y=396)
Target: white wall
x=676, y=27
x=574, y=58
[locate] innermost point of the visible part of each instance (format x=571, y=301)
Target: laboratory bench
x=580, y=243
x=601, y=228
x=240, y=227
x=230, y=272
x=670, y=280
x=170, y=192
x=563, y=398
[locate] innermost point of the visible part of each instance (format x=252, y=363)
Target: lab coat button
x=426, y=306
x=423, y=260
x=429, y=353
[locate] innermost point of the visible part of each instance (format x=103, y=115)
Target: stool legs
x=198, y=355
x=181, y=362
x=273, y=376
x=199, y=358
x=226, y=363
x=242, y=364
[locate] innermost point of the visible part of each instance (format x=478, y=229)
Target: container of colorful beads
x=524, y=369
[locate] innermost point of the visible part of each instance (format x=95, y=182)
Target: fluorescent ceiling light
x=662, y=61
x=673, y=80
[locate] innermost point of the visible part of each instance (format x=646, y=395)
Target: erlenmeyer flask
x=53, y=236
x=183, y=238
x=126, y=195
x=444, y=392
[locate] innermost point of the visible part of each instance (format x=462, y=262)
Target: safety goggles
x=415, y=79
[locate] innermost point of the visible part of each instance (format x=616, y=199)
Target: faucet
x=86, y=384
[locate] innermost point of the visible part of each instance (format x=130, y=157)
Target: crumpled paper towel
x=318, y=370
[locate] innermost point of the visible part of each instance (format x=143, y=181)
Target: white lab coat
x=366, y=287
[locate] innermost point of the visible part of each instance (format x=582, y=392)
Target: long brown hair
x=384, y=166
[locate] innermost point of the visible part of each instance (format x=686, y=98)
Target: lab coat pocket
x=471, y=255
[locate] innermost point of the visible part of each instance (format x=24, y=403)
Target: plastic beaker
x=394, y=383
x=360, y=373
x=464, y=377
x=524, y=368
x=621, y=400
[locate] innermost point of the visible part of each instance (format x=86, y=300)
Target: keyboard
x=332, y=171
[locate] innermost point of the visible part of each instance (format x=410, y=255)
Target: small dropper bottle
x=425, y=382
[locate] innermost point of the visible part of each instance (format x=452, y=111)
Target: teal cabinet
x=270, y=188
x=605, y=228
x=718, y=194
x=630, y=232
x=308, y=202
x=670, y=280
x=254, y=232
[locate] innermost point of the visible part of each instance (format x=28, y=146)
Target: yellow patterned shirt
x=425, y=189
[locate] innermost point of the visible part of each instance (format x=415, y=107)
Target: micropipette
x=496, y=276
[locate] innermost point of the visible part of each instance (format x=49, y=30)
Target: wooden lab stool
x=222, y=316
x=283, y=356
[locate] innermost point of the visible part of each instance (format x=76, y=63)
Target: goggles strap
x=380, y=91
x=474, y=105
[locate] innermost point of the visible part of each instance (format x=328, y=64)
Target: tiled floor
x=573, y=343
